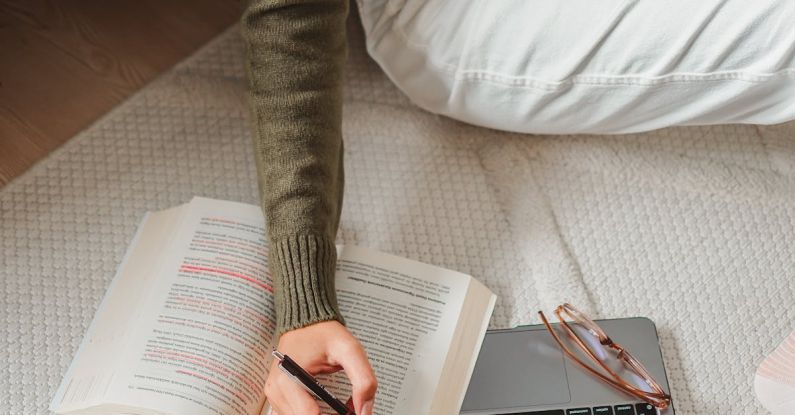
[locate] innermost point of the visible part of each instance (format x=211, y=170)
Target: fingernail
x=367, y=408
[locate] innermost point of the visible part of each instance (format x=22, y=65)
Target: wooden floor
x=64, y=63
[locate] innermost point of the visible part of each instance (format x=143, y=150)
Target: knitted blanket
x=692, y=227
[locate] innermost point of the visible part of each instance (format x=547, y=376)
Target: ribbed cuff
x=304, y=281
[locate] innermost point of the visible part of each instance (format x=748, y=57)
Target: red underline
x=261, y=284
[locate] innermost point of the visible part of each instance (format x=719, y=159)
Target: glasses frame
x=656, y=397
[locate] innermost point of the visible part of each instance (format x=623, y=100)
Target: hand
x=324, y=347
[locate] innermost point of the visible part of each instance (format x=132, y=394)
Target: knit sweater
x=295, y=57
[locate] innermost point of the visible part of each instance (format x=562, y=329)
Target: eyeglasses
x=656, y=396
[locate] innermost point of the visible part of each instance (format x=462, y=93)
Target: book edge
x=67, y=377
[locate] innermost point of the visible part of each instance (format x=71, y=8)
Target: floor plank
x=65, y=63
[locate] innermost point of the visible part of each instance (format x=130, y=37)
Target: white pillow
x=586, y=66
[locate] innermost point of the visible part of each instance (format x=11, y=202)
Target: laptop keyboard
x=624, y=409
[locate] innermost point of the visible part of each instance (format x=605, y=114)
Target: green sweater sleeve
x=295, y=59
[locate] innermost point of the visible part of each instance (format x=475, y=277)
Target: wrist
x=303, y=268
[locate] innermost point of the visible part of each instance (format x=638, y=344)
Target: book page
x=405, y=314
x=204, y=344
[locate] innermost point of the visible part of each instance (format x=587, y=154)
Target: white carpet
x=692, y=227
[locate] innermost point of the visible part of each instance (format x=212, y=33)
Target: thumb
x=356, y=366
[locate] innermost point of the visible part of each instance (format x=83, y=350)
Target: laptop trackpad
x=533, y=363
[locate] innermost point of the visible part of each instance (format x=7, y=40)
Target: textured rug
x=692, y=227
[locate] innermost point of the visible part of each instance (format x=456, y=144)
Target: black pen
x=298, y=374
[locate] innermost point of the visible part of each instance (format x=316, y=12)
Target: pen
x=298, y=374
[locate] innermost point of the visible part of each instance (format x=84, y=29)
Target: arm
x=296, y=53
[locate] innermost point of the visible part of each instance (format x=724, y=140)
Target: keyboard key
x=602, y=410
x=547, y=412
x=645, y=409
x=627, y=409
x=579, y=411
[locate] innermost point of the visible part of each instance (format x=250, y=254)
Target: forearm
x=296, y=53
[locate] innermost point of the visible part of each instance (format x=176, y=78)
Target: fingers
x=322, y=347
x=287, y=397
x=354, y=361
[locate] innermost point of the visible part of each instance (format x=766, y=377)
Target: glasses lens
x=647, y=383
x=591, y=340
x=582, y=319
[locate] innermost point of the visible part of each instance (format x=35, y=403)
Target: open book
x=186, y=326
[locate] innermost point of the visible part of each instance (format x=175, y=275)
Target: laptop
x=522, y=371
